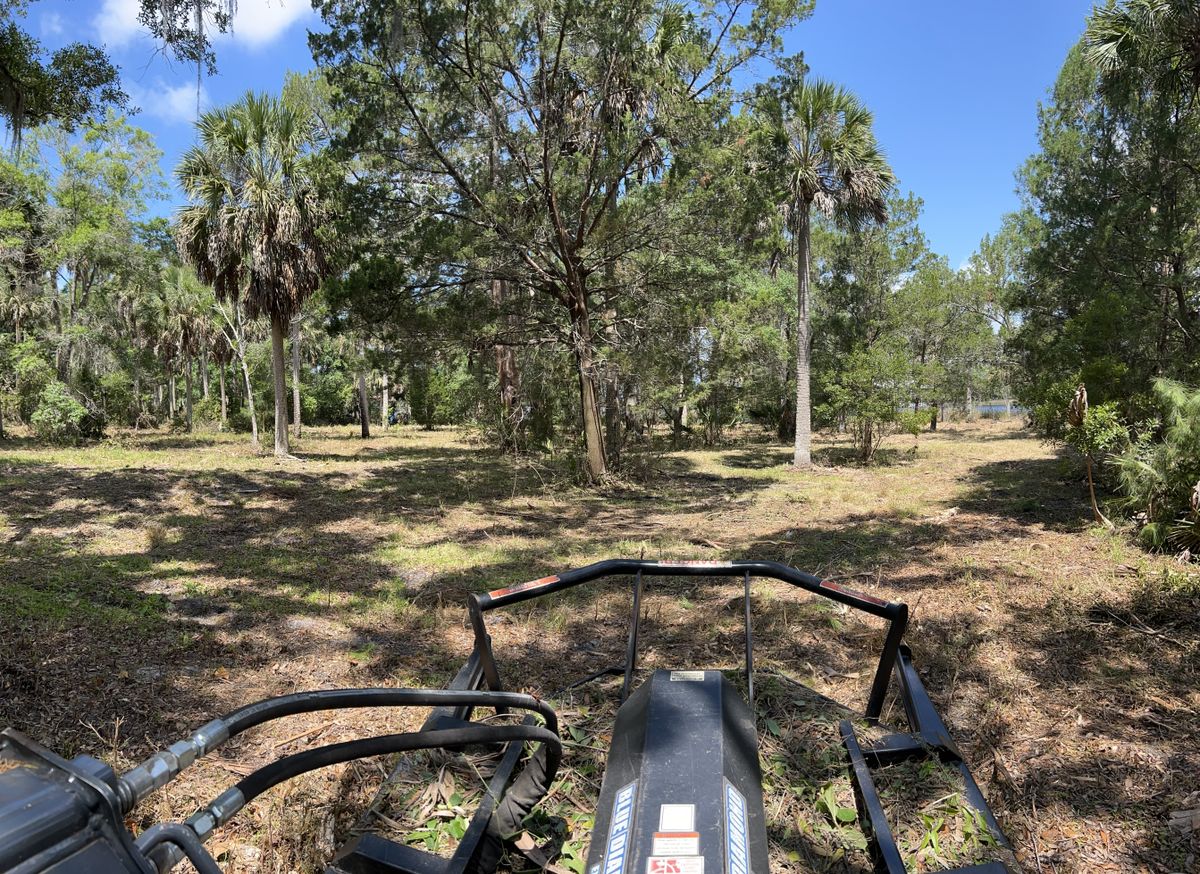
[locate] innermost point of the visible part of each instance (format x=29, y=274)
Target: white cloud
x=171, y=103
x=52, y=24
x=116, y=23
x=259, y=22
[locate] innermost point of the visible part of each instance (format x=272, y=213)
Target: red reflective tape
x=523, y=587
x=870, y=599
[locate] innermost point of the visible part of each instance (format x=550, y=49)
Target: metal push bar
x=896, y=614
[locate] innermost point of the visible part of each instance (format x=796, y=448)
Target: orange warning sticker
x=523, y=587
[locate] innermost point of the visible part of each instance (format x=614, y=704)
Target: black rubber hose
x=333, y=699
x=286, y=768
x=180, y=835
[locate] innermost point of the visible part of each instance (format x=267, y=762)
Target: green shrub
x=34, y=374
x=239, y=421
x=59, y=417
x=206, y=412
x=1102, y=432
x=913, y=423
x=1048, y=412
x=1160, y=472
x=442, y=395
x=116, y=392
x=870, y=394
x=328, y=398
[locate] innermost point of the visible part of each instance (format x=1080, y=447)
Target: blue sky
x=954, y=84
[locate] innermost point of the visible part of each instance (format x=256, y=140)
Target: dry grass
x=153, y=581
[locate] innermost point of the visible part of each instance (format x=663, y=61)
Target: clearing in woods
x=156, y=580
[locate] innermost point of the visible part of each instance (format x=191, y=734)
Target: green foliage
x=34, y=373
x=1102, y=432
x=1109, y=233
x=912, y=422
x=59, y=417
x=441, y=395
x=115, y=390
x=1048, y=412
x=868, y=395
x=68, y=86
x=1160, y=472
x=206, y=412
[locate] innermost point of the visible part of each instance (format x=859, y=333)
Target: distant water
x=995, y=408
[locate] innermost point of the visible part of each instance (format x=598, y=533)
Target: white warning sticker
x=675, y=865
x=676, y=844
x=687, y=676
x=676, y=818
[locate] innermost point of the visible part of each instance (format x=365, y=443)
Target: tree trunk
x=802, y=456
x=249, y=395
x=278, y=328
x=364, y=411
x=224, y=397
x=296, y=374
x=596, y=466
x=383, y=403
x=970, y=403
x=172, y=394
x=507, y=376
x=933, y=416
x=204, y=372
x=612, y=413
x=239, y=347
x=187, y=390
x=1100, y=518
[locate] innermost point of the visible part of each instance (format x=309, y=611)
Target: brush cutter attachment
x=682, y=791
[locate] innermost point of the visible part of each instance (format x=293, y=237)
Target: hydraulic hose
x=229, y=802
x=164, y=766
x=334, y=699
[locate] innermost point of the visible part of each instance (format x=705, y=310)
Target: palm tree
x=1158, y=36
x=817, y=137
x=252, y=227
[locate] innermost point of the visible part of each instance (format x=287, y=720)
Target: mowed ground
x=153, y=581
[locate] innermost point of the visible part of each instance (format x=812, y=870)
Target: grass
x=154, y=580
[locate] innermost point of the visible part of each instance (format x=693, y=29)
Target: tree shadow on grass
x=1041, y=491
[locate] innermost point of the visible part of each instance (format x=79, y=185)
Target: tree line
x=563, y=223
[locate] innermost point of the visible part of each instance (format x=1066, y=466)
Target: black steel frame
x=928, y=735
x=894, y=613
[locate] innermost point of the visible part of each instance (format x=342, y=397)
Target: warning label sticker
x=676, y=843
x=675, y=865
x=523, y=587
x=687, y=676
x=707, y=565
